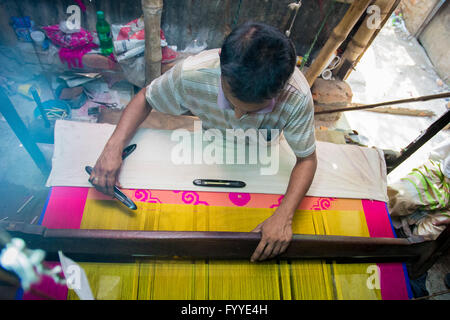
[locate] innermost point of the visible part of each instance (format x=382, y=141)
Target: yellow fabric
x=176, y=279
x=111, y=281
x=350, y=276
x=180, y=280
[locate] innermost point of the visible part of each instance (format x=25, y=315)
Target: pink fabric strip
x=392, y=277
x=81, y=5
x=65, y=208
x=46, y=289
x=64, y=211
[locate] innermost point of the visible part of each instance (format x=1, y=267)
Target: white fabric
x=446, y=167
x=442, y=153
x=344, y=171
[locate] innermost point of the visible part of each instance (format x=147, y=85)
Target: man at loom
x=251, y=82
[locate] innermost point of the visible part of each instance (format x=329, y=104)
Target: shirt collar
x=223, y=103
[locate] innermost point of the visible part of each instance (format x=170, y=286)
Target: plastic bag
x=423, y=196
x=129, y=47
x=195, y=47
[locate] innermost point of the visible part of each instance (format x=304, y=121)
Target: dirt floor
x=394, y=67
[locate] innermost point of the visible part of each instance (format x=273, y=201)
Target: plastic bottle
x=104, y=34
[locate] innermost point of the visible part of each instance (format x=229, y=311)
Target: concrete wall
x=185, y=20
x=415, y=12
x=435, y=39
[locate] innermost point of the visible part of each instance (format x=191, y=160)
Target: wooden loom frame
x=123, y=245
x=127, y=245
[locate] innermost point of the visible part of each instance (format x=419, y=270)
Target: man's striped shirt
x=193, y=86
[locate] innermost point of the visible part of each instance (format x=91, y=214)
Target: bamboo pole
x=152, y=18
x=403, y=111
x=354, y=106
x=423, y=138
x=339, y=34
x=362, y=37
x=394, y=6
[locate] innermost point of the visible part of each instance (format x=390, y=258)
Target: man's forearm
x=301, y=178
x=133, y=115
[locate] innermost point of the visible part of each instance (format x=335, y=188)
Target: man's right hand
x=106, y=170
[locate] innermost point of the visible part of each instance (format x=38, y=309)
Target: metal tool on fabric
x=119, y=195
x=219, y=183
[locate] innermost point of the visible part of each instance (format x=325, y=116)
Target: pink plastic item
x=72, y=41
x=73, y=46
x=74, y=57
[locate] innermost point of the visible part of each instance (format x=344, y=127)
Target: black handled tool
x=128, y=150
x=119, y=195
x=219, y=183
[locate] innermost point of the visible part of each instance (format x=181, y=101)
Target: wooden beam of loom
x=95, y=245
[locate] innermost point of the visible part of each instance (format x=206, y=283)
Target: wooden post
x=394, y=6
x=15, y=122
x=152, y=18
x=423, y=138
x=362, y=37
x=355, y=106
x=339, y=34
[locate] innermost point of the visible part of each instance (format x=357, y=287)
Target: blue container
x=54, y=109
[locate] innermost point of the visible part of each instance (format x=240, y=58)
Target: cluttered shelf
x=74, y=75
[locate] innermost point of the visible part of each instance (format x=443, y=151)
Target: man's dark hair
x=256, y=61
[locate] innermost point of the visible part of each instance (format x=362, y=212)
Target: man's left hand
x=276, y=234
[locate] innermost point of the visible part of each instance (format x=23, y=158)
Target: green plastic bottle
x=104, y=34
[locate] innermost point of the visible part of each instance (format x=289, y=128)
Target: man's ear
x=220, y=51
